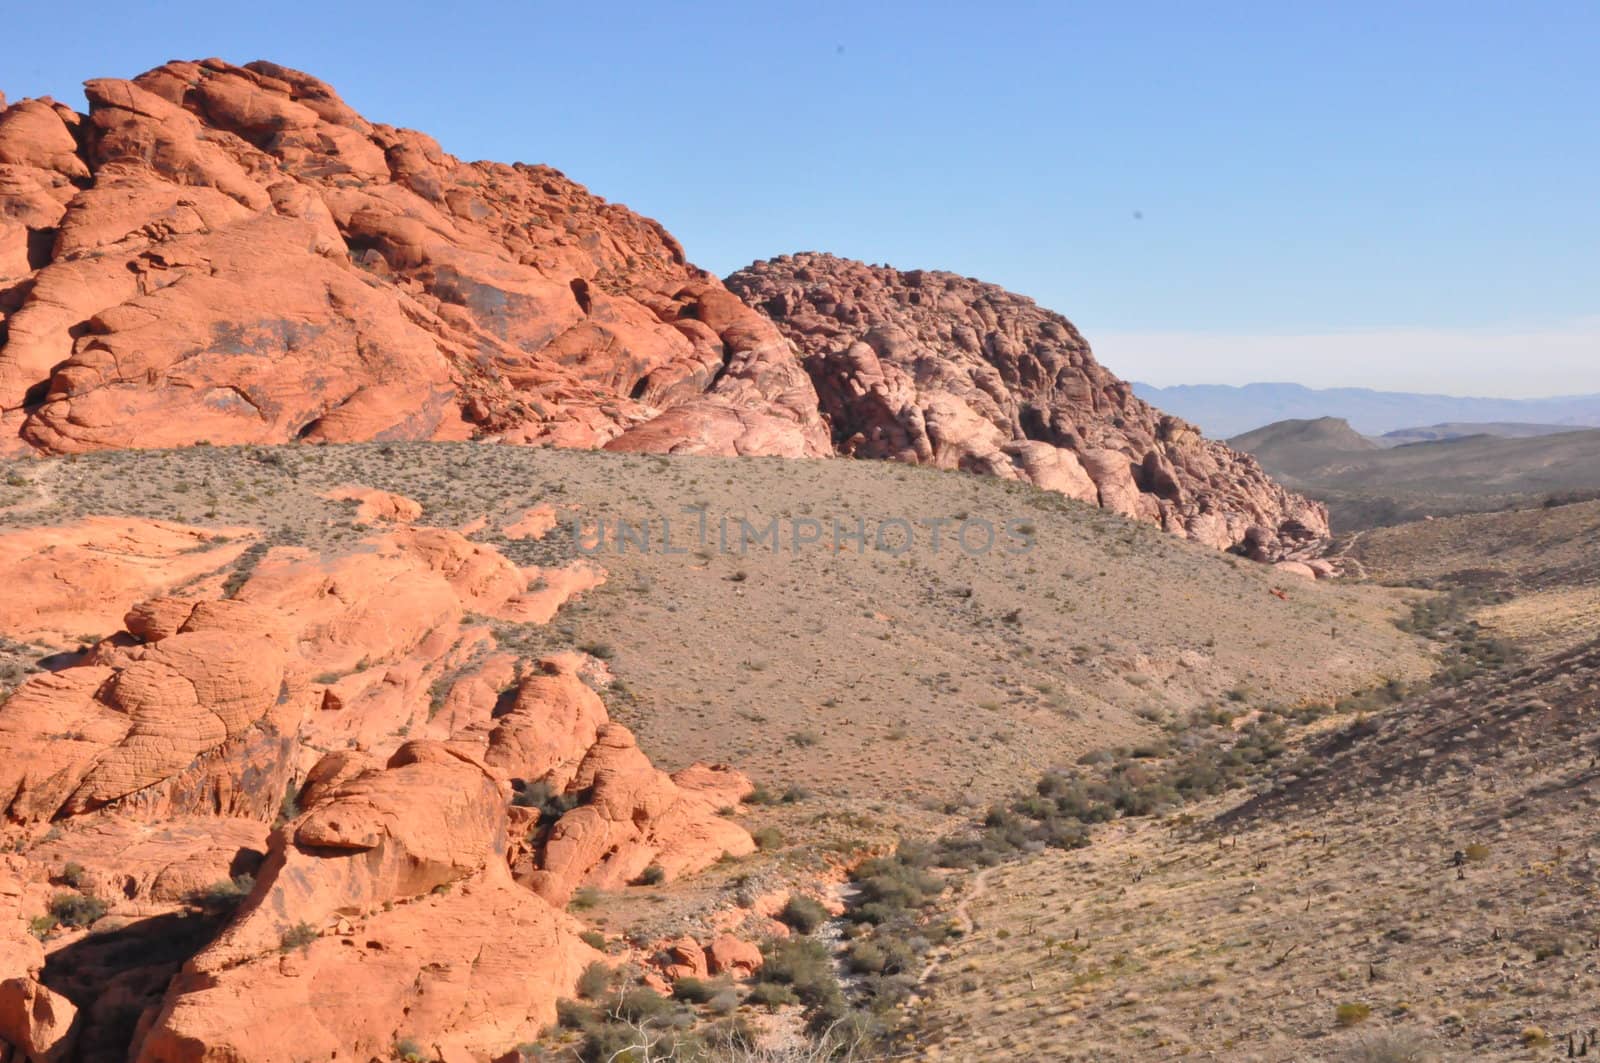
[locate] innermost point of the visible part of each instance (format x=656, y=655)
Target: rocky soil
x=1417, y=881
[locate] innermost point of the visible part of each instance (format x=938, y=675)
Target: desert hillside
x=1062, y=644
x=1415, y=881
x=443, y=624
x=1460, y=429
x=1223, y=410
x=1365, y=484
x=325, y=697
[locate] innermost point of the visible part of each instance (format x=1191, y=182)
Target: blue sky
x=1394, y=195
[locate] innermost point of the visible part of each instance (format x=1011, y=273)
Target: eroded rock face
x=142, y=868
x=66, y=582
x=359, y=701
x=37, y=1022
x=232, y=254
x=635, y=817
x=556, y=734
x=202, y=704
x=935, y=369
x=395, y=881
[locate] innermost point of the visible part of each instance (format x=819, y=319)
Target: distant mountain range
x=1223, y=410
x=1367, y=482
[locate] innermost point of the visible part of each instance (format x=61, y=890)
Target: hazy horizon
x=1141, y=382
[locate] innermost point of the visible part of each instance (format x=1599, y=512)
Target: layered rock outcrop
x=68, y=582
x=387, y=905
x=555, y=735
x=334, y=747
x=232, y=254
x=34, y=1019
x=936, y=369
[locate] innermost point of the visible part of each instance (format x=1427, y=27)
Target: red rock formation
x=36, y=1021
x=636, y=818
x=534, y=523
x=557, y=733
x=397, y=881
x=734, y=956
x=67, y=582
x=233, y=254
x=140, y=868
x=683, y=958
x=373, y=505
x=385, y=906
x=196, y=709
x=935, y=369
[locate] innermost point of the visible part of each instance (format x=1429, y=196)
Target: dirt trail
x=1339, y=553
x=961, y=915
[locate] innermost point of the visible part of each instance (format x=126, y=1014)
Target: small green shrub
x=408, y=1050
x=223, y=896
x=595, y=981
x=1351, y=1014
x=770, y=995
x=803, y=913
x=805, y=966
x=641, y=1005
x=768, y=838
x=299, y=936
x=552, y=804
x=1391, y=1046
x=693, y=990
x=76, y=910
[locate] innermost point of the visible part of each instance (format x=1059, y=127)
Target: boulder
x=386, y=905
x=1298, y=569
x=733, y=956
x=635, y=818
x=683, y=958
x=373, y=505
x=467, y=972
x=553, y=722
x=36, y=1021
